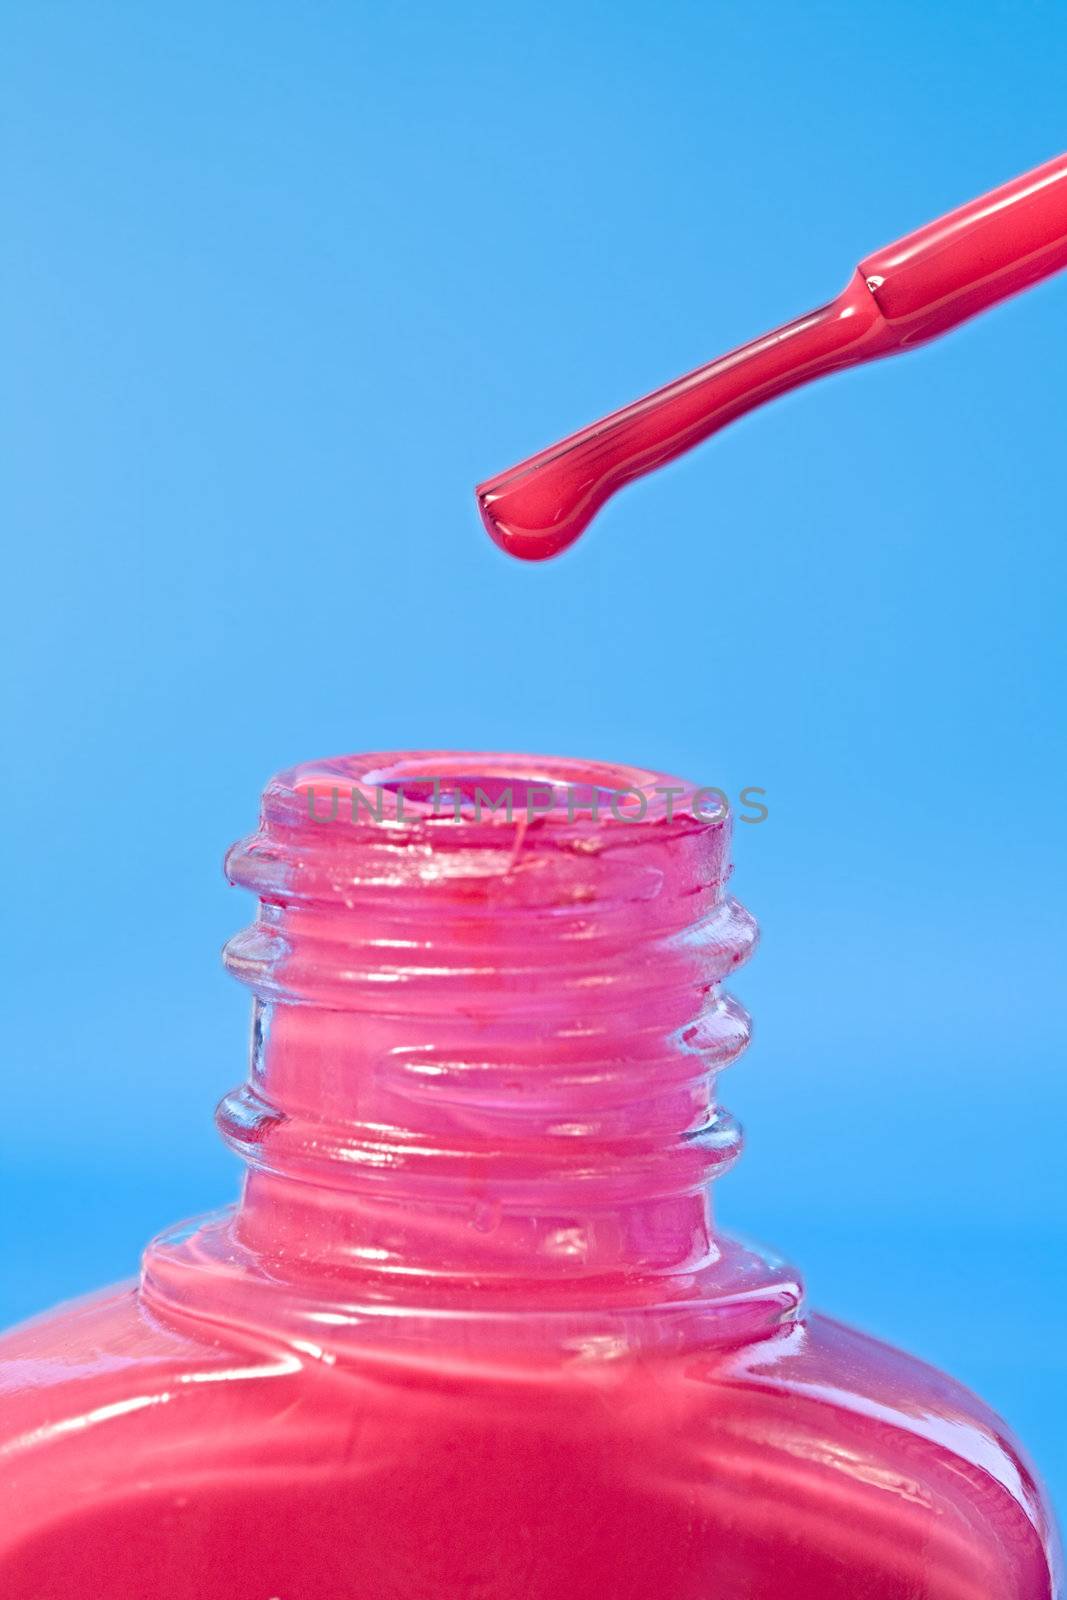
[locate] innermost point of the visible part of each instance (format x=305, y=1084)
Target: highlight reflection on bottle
x=471, y=1329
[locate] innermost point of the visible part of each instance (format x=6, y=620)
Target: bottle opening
x=470, y=794
x=422, y=787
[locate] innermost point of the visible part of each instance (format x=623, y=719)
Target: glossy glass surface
x=471, y=1330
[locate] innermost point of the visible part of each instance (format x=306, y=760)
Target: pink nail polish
x=471, y=1332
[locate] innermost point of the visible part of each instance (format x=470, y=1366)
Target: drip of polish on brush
x=913, y=290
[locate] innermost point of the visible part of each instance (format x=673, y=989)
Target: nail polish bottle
x=471, y=1329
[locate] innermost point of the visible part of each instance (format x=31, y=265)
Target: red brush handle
x=913, y=290
x=935, y=278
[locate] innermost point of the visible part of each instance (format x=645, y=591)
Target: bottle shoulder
x=101, y=1372
x=815, y=1374
x=91, y=1339
x=894, y=1443
x=818, y=1451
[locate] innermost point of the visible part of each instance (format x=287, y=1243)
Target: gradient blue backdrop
x=285, y=281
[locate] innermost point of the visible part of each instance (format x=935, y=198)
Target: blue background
x=285, y=281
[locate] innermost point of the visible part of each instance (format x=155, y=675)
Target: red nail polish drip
x=909, y=292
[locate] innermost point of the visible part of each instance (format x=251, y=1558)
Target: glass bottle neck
x=484, y=1049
